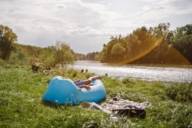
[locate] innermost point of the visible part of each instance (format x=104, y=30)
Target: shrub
x=2, y=62
x=180, y=92
x=17, y=57
x=127, y=81
x=7, y=38
x=181, y=118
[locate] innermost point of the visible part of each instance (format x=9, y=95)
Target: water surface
x=166, y=74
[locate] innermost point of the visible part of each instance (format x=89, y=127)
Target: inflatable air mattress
x=64, y=91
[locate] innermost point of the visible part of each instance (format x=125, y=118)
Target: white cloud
x=87, y=22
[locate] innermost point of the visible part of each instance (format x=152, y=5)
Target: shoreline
x=138, y=65
x=164, y=74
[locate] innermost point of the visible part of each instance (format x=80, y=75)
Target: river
x=166, y=74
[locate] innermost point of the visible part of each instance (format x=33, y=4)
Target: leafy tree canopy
x=7, y=38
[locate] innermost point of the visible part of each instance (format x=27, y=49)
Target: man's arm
x=94, y=78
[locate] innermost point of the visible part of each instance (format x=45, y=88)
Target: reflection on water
x=167, y=74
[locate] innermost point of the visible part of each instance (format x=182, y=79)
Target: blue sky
x=87, y=24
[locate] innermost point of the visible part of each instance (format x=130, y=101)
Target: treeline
x=12, y=52
x=140, y=41
x=88, y=56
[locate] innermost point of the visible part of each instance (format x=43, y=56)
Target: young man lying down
x=86, y=83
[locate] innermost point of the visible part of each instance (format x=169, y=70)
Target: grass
x=21, y=106
x=180, y=93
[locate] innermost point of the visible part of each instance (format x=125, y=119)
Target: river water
x=166, y=74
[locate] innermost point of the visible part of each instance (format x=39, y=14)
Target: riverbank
x=21, y=105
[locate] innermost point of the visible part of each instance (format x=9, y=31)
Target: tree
x=182, y=40
x=63, y=53
x=161, y=30
x=7, y=38
x=117, y=50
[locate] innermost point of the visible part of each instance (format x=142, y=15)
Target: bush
x=2, y=62
x=180, y=92
x=172, y=115
x=17, y=57
x=181, y=117
x=8, y=37
x=127, y=81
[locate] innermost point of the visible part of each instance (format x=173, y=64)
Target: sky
x=86, y=25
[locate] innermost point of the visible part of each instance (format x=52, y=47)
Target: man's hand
x=86, y=86
x=94, y=78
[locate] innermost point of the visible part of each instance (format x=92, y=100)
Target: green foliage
x=182, y=40
x=105, y=54
x=181, y=117
x=63, y=54
x=20, y=103
x=142, y=41
x=2, y=62
x=180, y=92
x=24, y=54
x=49, y=56
x=117, y=50
x=126, y=48
x=7, y=38
x=59, y=54
x=17, y=57
x=91, y=56
x=161, y=30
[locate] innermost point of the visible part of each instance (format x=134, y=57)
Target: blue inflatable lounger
x=64, y=91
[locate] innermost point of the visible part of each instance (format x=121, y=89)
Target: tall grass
x=180, y=92
x=21, y=105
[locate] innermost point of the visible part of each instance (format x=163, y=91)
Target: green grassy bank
x=21, y=106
